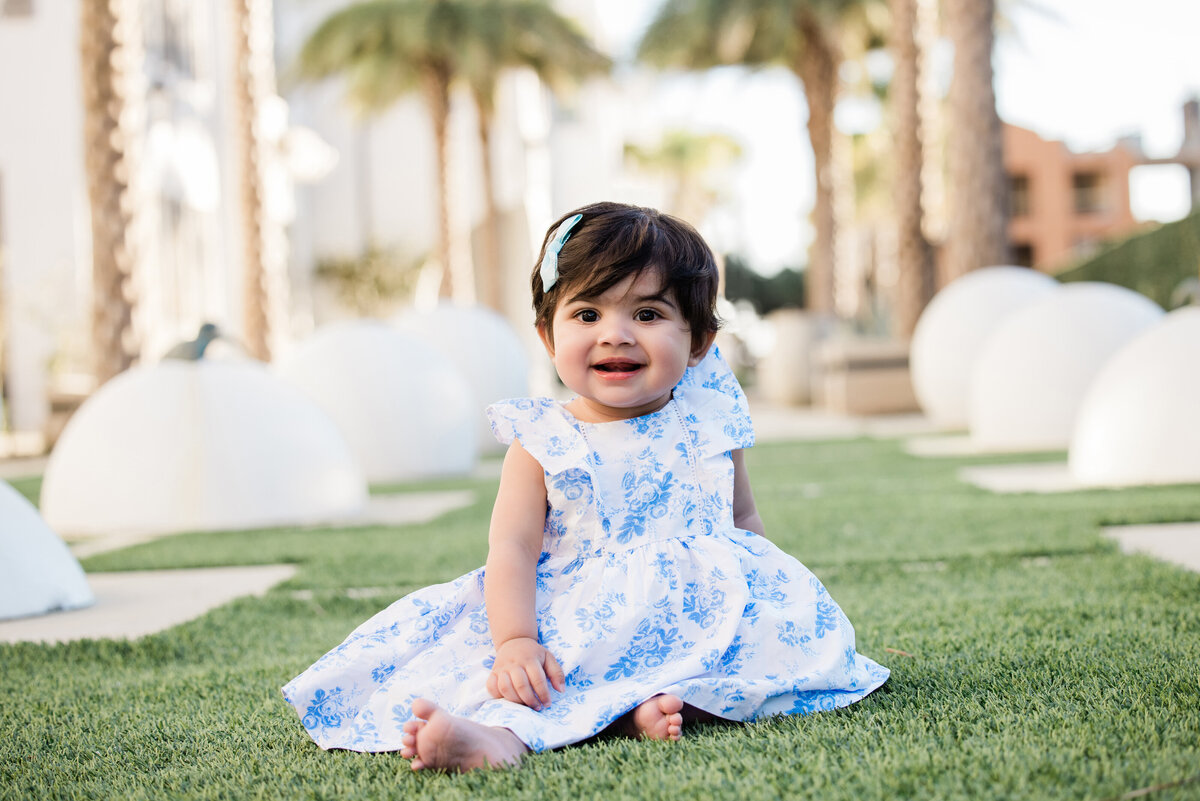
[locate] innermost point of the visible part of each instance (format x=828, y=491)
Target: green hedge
x=1153, y=263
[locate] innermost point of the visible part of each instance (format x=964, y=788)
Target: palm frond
x=699, y=34
x=382, y=47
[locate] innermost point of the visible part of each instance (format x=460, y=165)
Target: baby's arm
x=745, y=513
x=522, y=665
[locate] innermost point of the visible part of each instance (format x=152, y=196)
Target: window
x=1022, y=254
x=1087, y=188
x=1018, y=196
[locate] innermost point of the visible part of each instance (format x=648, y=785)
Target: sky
x=1084, y=71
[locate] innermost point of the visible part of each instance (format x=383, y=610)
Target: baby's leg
x=441, y=741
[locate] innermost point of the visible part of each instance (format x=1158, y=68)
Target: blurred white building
x=44, y=234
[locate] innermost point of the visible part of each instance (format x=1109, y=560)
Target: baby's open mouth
x=617, y=366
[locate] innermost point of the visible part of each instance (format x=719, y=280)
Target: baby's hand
x=521, y=671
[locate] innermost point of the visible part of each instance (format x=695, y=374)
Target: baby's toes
x=674, y=726
x=408, y=739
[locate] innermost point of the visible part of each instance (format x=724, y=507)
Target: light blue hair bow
x=549, y=269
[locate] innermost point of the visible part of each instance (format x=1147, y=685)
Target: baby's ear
x=547, y=339
x=699, y=353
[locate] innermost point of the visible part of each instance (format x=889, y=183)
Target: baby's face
x=622, y=352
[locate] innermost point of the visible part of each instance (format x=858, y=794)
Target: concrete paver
x=957, y=445
x=398, y=509
x=1178, y=543
x=407, y=508
x=137, y=603
x=1036, y=477
x=773, y=423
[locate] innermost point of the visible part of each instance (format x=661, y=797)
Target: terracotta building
x=1064, y=204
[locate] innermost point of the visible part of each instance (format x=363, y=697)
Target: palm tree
x=685, y=158
x=914, y=256
x=516, y=33
x=252, y=82
x=106, y=61
x=388, y=48
x=978, y=217
x=805, y=36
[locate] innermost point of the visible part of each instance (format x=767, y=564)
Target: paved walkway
x=134, y=604
x=400, y=509
x=1036, y=477
x=1169, y=542
x=783, y=423
x=953, y=445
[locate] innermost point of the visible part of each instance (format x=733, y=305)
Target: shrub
x=1153, y=263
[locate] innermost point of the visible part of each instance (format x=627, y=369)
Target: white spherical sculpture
x=1032, y=373
x=198, y=446
x=484, y=348
x=1139, y=422
x=37, y=572
x=953, y=328
x=404, y=409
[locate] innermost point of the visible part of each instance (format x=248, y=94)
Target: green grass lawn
x=1029, y=659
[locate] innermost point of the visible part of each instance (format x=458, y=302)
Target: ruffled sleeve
x=714, y=406
x=542, y=428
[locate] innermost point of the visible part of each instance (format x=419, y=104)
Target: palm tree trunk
x=978, y=218
x=256, y=328
x=436, y=86
x=932, y=114
x=491, y=278
x=107, y=145
x=914, y=262
x=816, y=67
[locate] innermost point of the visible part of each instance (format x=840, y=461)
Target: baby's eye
x=647, y=315
x=587, y=316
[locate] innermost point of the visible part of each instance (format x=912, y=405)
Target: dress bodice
x=618, y=485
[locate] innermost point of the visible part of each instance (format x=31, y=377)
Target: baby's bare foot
x=408, y=740
x=441, y=741
x=659, y=718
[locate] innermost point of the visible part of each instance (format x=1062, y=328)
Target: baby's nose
x=616, y=331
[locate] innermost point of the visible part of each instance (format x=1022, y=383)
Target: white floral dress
x=644, y=586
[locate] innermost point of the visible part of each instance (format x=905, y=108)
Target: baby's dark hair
x=614, y=241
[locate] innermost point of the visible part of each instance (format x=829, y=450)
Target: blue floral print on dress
x=325, y=709
x=644, y=585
